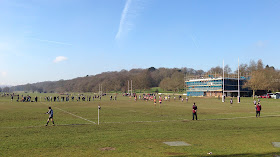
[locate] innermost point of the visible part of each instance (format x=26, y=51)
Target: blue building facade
x=214, y=87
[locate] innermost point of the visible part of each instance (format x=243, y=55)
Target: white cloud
x=261, y=43
x=60, y=59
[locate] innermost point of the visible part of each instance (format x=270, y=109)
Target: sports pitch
x=129, y=128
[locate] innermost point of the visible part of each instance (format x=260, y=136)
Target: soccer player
x=194, y=110
x=231, y=101
x=258, y=109
x=50, y=112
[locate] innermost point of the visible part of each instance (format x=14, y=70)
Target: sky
x=50, y=40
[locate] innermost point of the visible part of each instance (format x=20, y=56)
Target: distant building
x=213, y=86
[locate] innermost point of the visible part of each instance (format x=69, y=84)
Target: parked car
x=276, y=95
x=268, y=95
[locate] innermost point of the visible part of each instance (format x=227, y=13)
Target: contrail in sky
x=123, y=20
x=54, y=42
x=194, y=41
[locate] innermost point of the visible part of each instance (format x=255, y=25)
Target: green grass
x=139, y=128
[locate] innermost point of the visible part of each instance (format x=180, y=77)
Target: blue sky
x=48, y=40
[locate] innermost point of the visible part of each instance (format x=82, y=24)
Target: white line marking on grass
x=43, y=126
x=138, y=121
x=235, y=118
x=188, y=120
x=76, y=115
x=73, y=114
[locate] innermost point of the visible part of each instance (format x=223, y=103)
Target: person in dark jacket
x=194, y=111
x=50, y=113
x=258, y=109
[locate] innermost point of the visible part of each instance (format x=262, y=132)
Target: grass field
x=129, y=128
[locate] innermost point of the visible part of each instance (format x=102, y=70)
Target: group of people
x=58, y=98
x=258, y=108
x=67, y=98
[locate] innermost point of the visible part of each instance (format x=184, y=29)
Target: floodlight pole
x=100, y=89
x=223, y=97
x=238, y=97
x=129, y=90
x=98, y=113
x=128, y=86
x=131, y=87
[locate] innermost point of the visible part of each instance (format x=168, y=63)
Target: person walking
x=258, y=109
x=50, y=112
x=194, y=111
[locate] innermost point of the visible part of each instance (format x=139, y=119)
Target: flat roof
x=209, y=79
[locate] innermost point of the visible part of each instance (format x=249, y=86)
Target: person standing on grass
x=50, y=112
x=258, y=109
x=194, y=111
x=231, y=101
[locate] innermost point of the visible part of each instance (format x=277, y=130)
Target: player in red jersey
x=258, y=109
x=194, y=110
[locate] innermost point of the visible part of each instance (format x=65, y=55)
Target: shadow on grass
x=271, y=154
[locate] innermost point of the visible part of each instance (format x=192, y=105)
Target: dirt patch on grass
x=107, y=148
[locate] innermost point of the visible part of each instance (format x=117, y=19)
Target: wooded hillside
x=168, y=79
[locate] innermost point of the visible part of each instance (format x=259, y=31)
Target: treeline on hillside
x=263, y=78
x=142, y=79
x=169, y=79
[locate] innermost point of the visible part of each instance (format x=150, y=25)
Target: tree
x=264, y=79
x=151, y=69
x=173, y=83
x=177, y=81
x=257, y=81
x=143, y=80
x=216, y=70
x=243, y=69
x=164, y=84
x=227, y=69
x=6, y=89
x=252, y=66
x=260, y=65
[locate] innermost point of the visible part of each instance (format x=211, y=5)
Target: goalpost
x=238, y=83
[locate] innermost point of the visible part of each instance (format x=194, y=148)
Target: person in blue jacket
x=50, y=112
